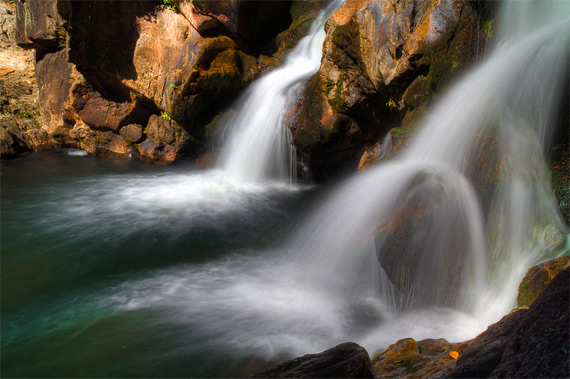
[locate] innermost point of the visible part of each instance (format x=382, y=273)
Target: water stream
x=120, y=269
x=259, y=145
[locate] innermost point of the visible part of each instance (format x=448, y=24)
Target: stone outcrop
x=20, y=130
x=407, y=358
x=537, y=278
x=383, y=61
x=106, y=66
x=347, y=360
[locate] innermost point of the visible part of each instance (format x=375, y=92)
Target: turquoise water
x=77, y=231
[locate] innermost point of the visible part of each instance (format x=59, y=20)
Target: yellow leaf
x=454, y=354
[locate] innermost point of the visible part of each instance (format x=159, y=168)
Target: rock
x=303, y=13
x=370, y=156
x=398, y=360
x=347, y=360
x=132, y=133
x=381, y=61
x=102, y=66
x=528, y=343
x=409, y=359
x=408, y=253
x=39, y=24
x=537, y=278
x=20, y=129
x=11, y=55
x=165, y=140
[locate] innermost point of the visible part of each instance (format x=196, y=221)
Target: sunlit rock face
x=103, y=66
x=20, y=131
x=382, y=62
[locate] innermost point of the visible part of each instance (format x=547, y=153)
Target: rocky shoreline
x=530, y=342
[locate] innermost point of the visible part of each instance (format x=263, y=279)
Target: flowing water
x=119, y=269
x=259, y=144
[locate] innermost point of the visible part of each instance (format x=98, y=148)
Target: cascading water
x=259, y=145
x=168, y=273
x=453, y=235
x=447, y=231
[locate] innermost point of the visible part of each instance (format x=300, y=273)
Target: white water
x=259, y=145
x=512, y=99
x=327, y=286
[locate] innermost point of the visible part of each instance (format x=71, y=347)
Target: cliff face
x=144, y=78
x=20, y=131
x=383, y=62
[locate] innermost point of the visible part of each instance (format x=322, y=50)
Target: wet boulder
x=347, y=360
x=537, y=278
x=528, y=343
x=407, y=358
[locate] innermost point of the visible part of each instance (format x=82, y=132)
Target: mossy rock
x=537, y=278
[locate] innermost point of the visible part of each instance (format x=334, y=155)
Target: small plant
x=454, y=64
x=169, y=4
x=25, y=114
x=391, y=103
x=173, y=86
x=165, y=116
x=61, y=36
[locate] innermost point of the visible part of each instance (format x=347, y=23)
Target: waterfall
x=459, y=217
x=429, y=244
x=259, y=145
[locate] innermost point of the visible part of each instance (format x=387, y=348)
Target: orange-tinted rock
x=409, y=359
x=20, y=126
x=376, y=56
x=132, y=133
x=370, y=156
x=104, y=65
x=165, y=140
x=537, y=278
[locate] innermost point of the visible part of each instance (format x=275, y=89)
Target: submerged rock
x=347, y=360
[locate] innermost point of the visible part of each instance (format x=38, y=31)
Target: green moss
x=25, y=114
x=489, y=28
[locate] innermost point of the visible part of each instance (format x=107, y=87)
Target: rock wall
x=144, y=78
x=383, y=62
x=20, y=131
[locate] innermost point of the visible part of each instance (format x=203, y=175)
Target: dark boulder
x=347, y=360
x=528, y=343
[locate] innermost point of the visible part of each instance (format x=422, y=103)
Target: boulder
x=537, y=278
x=528, y=343
x=347, y=360
x=407, y=358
